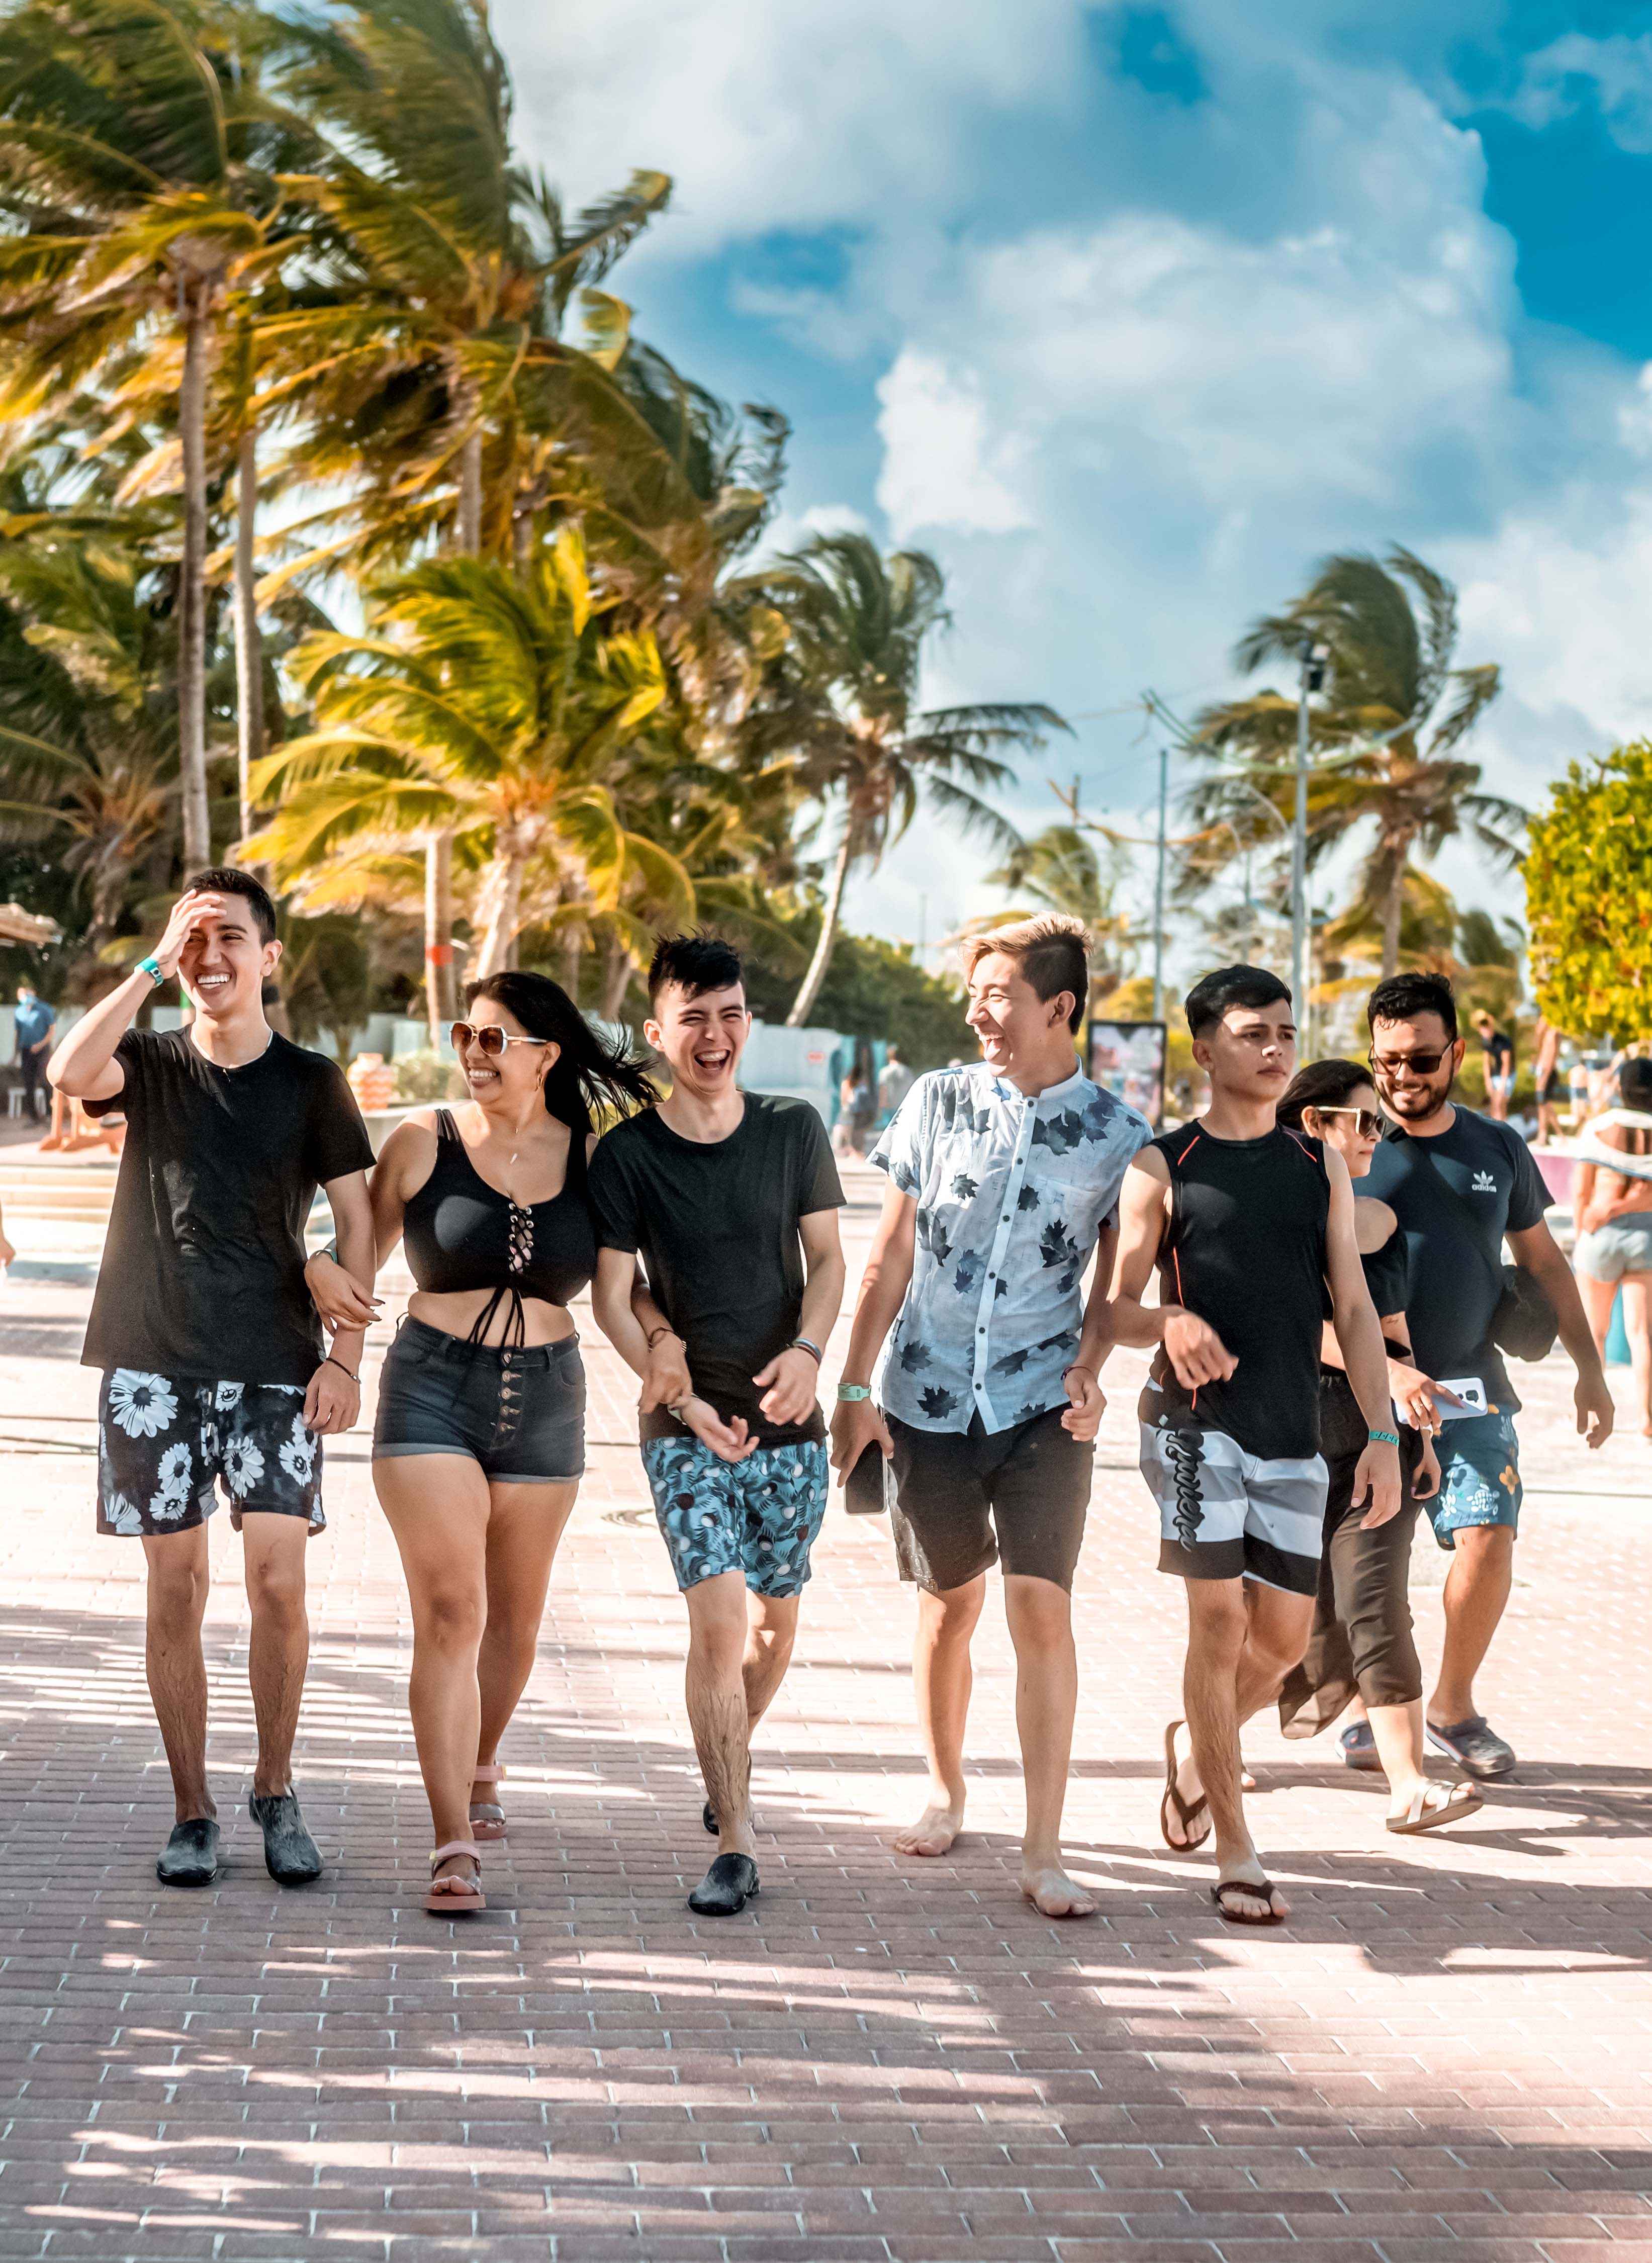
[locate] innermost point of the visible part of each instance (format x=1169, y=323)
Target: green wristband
x=851, y=1391
x=1384, y=1437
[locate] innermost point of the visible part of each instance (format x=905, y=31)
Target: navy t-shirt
x=1456, y=1270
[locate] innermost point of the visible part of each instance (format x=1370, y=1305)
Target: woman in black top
x=480, y=1442
x=1361, y=1648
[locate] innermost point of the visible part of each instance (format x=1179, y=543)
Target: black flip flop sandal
x=1185, y=1815
x=1244, y=1886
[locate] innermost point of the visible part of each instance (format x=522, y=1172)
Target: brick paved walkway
x=1447, y=2055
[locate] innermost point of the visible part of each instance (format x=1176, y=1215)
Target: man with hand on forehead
x=1461, y=1185
x=214, y=1366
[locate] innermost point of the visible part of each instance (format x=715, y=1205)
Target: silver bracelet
x=802, y=1344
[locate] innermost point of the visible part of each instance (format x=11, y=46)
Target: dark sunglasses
x=1367, y=1121
x=1420, y=1064
x=487, y=1037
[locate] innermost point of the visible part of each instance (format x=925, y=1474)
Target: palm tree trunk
x=441, y=997
x=468, y=531
x=248, y=637
x=441, y=989
x=802, y=1004
x=1393, y=905
x=616, y=979
x=192, y=654
x=504, y=908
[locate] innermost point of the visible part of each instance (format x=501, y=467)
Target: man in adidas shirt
x=1461, y=1184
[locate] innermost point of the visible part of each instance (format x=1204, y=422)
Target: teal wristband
x=152, y=968
x=852, y=1390
x=1384, y=1437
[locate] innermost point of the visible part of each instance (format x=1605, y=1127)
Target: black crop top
x=460, y=1233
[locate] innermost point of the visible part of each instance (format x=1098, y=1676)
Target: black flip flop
x=1244, y=1886
x=1185, y=1815
x=726, y=1887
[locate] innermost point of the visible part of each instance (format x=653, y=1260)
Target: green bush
x=427, y=1076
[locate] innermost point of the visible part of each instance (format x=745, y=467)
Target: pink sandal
x=456, y=1896
x=487, y=1818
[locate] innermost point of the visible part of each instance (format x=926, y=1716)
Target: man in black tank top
x=1248, y=1227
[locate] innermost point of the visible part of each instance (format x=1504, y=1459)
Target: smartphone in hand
x=866, y=1488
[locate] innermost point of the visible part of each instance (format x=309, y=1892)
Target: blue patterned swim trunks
x=1479, y=1475
x=759, y=1517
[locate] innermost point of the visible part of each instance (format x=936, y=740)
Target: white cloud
x=943, y=465
x=1616, y=72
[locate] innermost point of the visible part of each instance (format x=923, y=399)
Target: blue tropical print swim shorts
x=163, y=1442
x=759, y=1517
x=1479, y=1475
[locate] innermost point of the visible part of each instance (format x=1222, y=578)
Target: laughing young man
x=1003, y=1177
x=213, y=1364
x=1248, y=1227
x=1461, y=1185
x=732, y=1199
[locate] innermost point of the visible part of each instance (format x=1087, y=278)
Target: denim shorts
x=1623, y=1245
x=759, y=1517
x=519, y=1413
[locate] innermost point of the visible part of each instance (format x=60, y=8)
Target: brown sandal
x=1261, y=1887
x=1187, y=1814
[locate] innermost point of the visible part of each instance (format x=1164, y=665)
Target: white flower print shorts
x=164, y=1445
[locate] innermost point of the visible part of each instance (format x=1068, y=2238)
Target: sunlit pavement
x=1447, y=2054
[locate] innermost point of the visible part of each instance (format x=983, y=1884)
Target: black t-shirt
x=1456, y=1260
x=1244, y=1248
x=1388, y=1276
x=717, y=1223
x=203, y=1268
x=1498, y=1049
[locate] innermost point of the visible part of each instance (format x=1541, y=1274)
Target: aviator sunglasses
x=487, y=1037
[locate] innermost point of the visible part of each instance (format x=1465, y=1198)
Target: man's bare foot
x=934, y=1831
x=1249, y=1899
x=1052, y=1892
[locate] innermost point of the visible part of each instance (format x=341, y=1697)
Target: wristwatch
x=152, y=968
x=852, y=1391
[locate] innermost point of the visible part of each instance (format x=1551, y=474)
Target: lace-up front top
x=461, y=1234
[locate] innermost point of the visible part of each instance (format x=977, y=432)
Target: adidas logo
x=1484, y=1184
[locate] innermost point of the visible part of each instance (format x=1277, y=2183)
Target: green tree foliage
x=1588, y=898
x=1389, y=634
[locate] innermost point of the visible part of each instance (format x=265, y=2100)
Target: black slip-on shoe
x=708, y=1816
x=189, y=1857
x=290, y=1854
x=726, y=1887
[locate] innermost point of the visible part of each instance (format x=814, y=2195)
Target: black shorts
x=966, y=1499
x=518, y=1413
x=163, y=1441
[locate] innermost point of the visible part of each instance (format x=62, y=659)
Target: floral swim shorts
x=759, y=1517
x=162, y=1443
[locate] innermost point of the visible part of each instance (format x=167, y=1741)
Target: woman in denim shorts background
x=1612, y=1201
x=480, y=1442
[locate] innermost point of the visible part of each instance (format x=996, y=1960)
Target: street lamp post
x=1158, y=893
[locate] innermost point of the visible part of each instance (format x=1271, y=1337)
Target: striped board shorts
x=1227, y=1514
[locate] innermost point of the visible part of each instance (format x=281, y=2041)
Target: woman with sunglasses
x=480, y=1443
x=1361, y=1648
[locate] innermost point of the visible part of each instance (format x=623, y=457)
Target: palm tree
x=843, y=713
x=413, y=358
x=88, y=726
x=137, y=163
x=1394, y=714
x=501, y=712
x=1063, y=870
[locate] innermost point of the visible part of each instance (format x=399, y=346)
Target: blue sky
x=1129, y=313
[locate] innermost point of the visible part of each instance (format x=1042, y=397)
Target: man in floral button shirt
x=1003, y=1178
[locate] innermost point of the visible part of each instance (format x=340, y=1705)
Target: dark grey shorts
x=520, y=1413
x=966, y=1499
